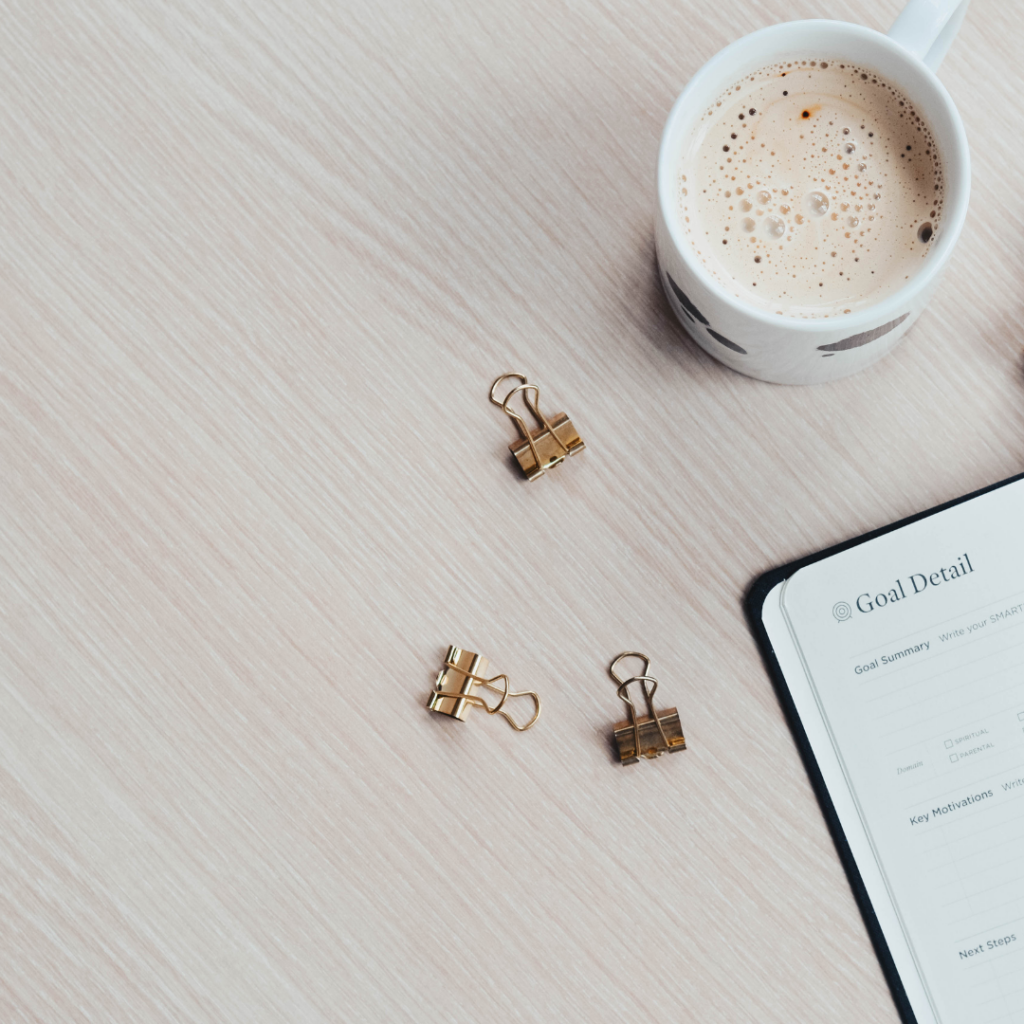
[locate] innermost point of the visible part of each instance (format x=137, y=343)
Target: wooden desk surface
x=260, y=263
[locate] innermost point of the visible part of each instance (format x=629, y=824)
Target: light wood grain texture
x=259, y=263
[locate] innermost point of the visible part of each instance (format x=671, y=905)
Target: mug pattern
x=694, y=315
x=856, y=340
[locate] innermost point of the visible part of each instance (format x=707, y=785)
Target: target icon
x=842, y=611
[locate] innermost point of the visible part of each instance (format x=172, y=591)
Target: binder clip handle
x=505, y=376
x=533, y=406
x=649, y=685
x=622, y=657
x=505, y=692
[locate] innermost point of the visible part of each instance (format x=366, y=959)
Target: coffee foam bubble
x=812, y=188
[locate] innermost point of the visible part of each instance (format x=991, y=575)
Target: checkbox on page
x=949, y=744
x=952, y=757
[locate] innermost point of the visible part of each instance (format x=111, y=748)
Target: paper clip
x=549, y=442
x=649, y=735
x=462, y=674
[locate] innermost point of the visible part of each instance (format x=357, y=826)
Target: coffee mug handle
x=926, y=28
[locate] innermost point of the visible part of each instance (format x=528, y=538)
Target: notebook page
x=841, y=798
x=913, y=646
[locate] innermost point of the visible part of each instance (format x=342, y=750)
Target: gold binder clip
x=649, y=735
x=548, y=444
x=462, y=674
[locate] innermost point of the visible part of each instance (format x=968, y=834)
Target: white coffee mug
x=788, y=350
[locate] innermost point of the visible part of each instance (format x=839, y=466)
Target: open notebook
x=899, y=658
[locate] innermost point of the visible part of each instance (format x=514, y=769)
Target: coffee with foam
x=812, y=188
